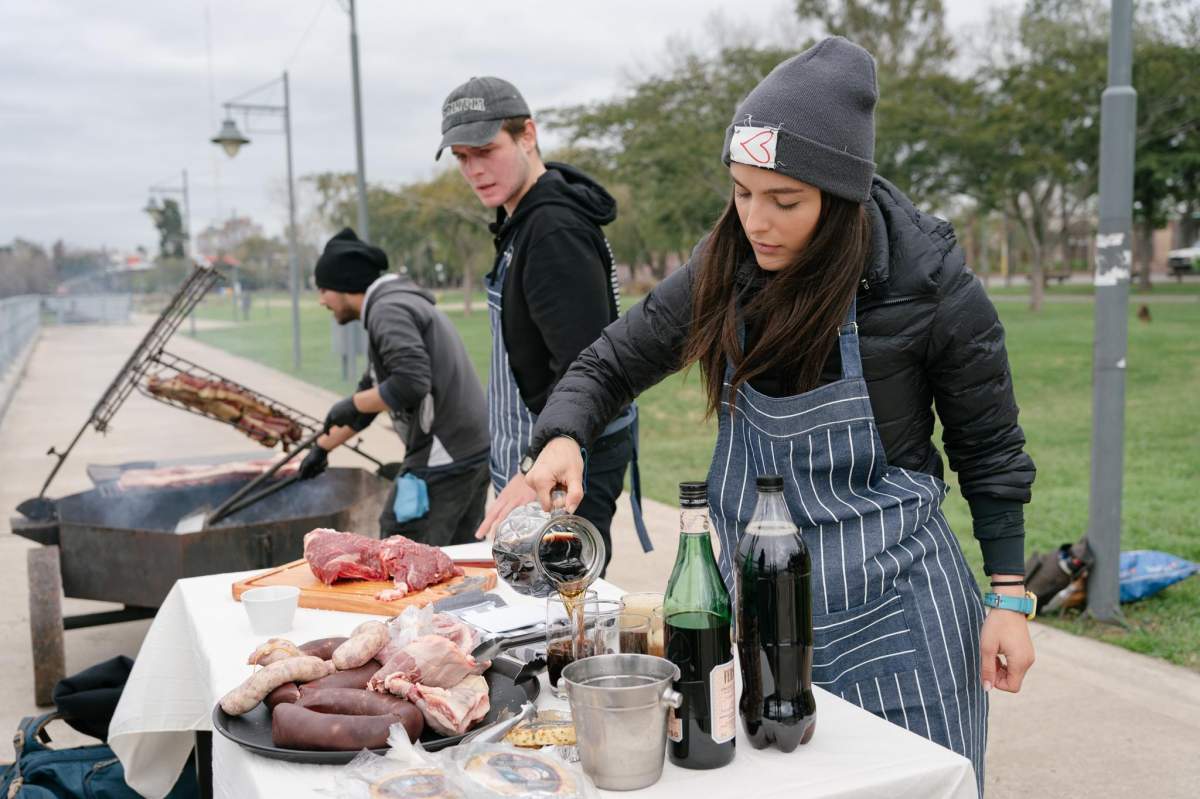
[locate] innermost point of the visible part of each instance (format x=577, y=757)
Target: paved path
x=1092, y=720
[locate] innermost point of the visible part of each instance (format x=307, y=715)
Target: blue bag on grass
x=1145, y=572
x=412, y=498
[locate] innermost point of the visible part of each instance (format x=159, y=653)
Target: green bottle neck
x=696, y=584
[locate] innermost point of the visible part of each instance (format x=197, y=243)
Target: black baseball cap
x=473, y=113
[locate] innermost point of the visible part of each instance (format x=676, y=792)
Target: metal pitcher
x=540, y=554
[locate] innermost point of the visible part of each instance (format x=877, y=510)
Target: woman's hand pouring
x=560, y=464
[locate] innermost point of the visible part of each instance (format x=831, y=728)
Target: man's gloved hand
x=315, y=462
x=344, y=414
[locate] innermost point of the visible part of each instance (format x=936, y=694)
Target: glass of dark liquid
x=635, y=633
x=567, y=635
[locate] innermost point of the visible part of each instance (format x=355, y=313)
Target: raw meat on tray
x=430, y=660
x=451, y=711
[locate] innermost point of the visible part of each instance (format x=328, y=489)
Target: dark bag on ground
x=82, y=772
x=1048, y=574
x=86, y=701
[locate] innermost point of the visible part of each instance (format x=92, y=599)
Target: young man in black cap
x=419, y=373
x=551, y=292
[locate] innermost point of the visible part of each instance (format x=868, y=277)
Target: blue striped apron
x=510, y=422
x=896, y=611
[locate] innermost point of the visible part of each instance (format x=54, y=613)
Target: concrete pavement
x=1091, y=719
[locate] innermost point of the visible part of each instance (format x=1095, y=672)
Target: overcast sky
x=99, y=101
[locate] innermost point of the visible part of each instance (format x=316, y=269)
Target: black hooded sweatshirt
x=560, y=290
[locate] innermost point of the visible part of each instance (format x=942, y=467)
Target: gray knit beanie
x=813, y=119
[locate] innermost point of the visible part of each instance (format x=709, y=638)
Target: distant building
x=214, y=241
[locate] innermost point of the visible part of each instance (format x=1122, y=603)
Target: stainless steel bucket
x=619, y=704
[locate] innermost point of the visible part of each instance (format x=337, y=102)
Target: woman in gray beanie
x=829, y=319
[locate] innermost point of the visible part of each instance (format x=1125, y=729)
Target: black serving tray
x=253, y=730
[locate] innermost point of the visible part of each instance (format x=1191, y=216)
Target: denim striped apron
x=896, y=611
x=510, y=422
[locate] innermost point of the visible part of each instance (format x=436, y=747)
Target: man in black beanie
x=418, y=372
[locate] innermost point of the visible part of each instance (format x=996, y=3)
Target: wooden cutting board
x=354, y=596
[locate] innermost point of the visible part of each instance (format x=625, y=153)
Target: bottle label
x=723, y=703
x=674, y=726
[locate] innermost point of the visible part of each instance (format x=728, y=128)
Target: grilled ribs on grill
x=201, y=474
x=229, y=403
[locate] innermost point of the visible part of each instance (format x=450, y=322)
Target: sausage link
x=364, y=643
x=255, y=688
x=295, y=727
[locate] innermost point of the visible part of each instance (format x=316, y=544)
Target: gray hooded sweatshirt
x=417, y=359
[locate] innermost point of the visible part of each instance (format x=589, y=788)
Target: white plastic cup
x=271, y=608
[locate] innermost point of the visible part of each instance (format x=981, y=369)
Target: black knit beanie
x=812, y=118
x=349, y=264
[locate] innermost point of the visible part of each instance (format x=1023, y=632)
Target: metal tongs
x=198, y=520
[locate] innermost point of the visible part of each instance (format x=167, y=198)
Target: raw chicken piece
x=451, y=711
x=464, y=635
x=430, y=660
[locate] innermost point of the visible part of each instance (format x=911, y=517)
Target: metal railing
x=20, y=319
x=89, y=308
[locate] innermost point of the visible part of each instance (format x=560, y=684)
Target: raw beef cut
x=415, y=566
x=335, y=556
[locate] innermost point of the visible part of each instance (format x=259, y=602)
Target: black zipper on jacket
x=888, y=301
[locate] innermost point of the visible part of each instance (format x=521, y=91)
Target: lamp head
x=230, y=138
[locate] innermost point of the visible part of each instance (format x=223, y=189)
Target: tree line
x=1001, y=135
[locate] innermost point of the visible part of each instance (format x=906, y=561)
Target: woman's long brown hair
x=797, y=313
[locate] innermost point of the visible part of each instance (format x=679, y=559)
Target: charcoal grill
x=122, y=546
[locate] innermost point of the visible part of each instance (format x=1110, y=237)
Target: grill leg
x=45, y=622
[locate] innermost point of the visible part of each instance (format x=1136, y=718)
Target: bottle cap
x=770, y=483
x=693, y=495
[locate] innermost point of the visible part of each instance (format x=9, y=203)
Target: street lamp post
x=1118, y=117
x=230, y=139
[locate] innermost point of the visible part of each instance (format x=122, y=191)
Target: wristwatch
x=1021, y=604
x=526, y=464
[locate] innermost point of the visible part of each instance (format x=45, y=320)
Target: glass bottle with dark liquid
x=697, y=619
x=774, y=624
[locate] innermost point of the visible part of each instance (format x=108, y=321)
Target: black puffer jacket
x=930, y=338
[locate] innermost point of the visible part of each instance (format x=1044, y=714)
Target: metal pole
x=350, y=356
x=293, y=255
x=1118, y=116
x=187, y=245
x=364, y=231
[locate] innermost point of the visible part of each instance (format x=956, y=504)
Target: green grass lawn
x=1020, y=287
x=1051, y=355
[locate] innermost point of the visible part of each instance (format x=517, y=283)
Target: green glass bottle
x=697, y=616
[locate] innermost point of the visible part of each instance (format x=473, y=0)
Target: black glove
x=344, y=414
x=315, y=462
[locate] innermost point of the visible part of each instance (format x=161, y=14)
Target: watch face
x=526, y=464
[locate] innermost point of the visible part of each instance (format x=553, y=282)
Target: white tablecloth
x=196, y=650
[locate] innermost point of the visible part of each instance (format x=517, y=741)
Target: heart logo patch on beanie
x=753, y=146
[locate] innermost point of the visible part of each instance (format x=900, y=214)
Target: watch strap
x=1026, y=605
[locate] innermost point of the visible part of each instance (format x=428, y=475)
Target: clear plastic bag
x=495, y=771
x=406, y=771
